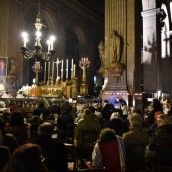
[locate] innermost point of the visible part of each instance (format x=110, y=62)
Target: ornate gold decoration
x=74, y=90
x=84, y=64
x=116, y=70
x=37, y=68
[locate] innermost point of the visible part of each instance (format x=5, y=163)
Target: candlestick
x=62, y=70
x=52, y=70
x=66, y=68
x=57, y=63
x=67, y=64
x=74, y=69
x=45, y=66
x=48, y=70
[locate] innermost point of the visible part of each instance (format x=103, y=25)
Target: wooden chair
x=89, y=137
x=66, y=136
x=135, y=159
x=71, y=151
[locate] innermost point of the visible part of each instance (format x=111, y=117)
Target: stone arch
x=75, y=46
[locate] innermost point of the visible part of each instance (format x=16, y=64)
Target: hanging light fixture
x=37, y=53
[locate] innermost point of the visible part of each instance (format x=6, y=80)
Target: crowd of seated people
x=128, y=141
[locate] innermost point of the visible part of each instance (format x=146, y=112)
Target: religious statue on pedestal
x=116, y=48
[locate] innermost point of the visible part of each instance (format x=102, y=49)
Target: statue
x=13, y=67
x=102, y=53
x=115, y=47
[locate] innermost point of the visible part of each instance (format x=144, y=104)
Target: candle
x=52, y=38
x=53, y=70
x=49, y=44
x=48, y=70
x=72, y=64
x=67, y=64
x=74, y=69
x=66, y=68
x=45, y=66
x=52, y=45
x=62, y=69
x=25, y=38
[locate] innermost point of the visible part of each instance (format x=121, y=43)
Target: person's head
x=135, y=120
x=105, y=101
x=117, y=99
x=45, y=129
x=17, y=119
x=36, y=112
x=41, y=104
x=157, y=113
x=107, y=134
x=53, y=101
x=132, y=109
x=92, y=109
x=86, y=112
x=163, y=119
x=26, y=158
x=114, y=115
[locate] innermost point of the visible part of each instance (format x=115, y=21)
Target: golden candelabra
x=84, y=64
x=37, y=69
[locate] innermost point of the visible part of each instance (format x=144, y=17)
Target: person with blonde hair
x=88, y=121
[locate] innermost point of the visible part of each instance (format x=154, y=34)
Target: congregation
x=113, y=138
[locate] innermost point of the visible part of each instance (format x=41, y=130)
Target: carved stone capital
x=116, y=70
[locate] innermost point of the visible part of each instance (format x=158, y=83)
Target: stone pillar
x=115, y=20
x=151, y=51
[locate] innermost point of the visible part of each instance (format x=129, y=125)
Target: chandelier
x=37, y=52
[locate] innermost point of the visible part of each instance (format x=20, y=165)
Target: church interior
x=85, y=58
x=92, y=74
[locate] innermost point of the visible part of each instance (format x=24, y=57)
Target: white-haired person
x=117, y=124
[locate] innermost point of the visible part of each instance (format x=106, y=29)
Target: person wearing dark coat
x=55, y=152
x=161, y=142
x=107, y=110
x=54, y=108
x=117, y=124
x=156, y=106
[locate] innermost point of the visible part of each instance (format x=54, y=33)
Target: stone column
x=115, y=24
x=115, y=20
x=151, y=51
